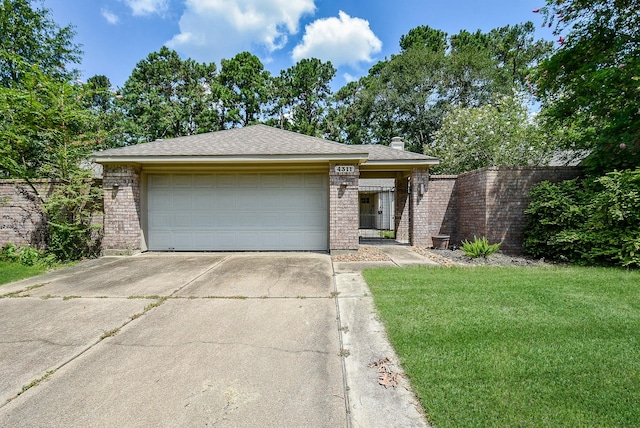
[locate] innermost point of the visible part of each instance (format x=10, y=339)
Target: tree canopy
x=30, y=34
x=591, y=83
x=167, y=97
x=500, y=133
x=409, y=93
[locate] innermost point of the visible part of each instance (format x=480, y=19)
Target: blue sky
x=352, y=34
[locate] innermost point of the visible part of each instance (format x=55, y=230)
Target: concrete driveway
x=196, y=339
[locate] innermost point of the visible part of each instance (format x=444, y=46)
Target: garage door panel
x=181, y=202
x=182, y=240
x=227, y=180
x=271, y=181
x=315, y=181
x=182, y=220
x=160, y=220
x=293, y=220
x=181, y=180
x=160, y=200
x=203, y=240
x=315, y=222
x=237, y=212
x=207, y=181
x=157, y=181
x=225, y=219
x=203, y=221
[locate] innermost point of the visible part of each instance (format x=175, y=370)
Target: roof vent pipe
x=397, y=143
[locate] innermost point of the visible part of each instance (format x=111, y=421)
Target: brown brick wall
x=472, y=215
x=442, y=213
x=402, y=209
x=22, y=219
x=506, y=200
x=419, y=219
x=344, y=218
x=488, y=202
x=122, y=223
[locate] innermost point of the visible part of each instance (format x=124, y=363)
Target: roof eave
x=358, y=158
x=404, y=164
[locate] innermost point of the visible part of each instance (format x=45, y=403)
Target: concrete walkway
x=256, y=339
x=363, y=335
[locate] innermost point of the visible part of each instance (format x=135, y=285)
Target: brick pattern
x=488, y=202
x=22, y=219
x=419, y=217
x=402, y=210
x=472, y=211
x=506, y=200
x=122, y=223
x=442, y=215
x=344, y=218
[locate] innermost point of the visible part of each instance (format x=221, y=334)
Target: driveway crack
x=192, y=280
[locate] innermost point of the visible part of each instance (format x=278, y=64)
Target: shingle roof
x=378, y=152
x=251, y=140
x=257, y=142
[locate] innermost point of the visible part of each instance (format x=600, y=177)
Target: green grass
x=10, y=271
x=516, y=346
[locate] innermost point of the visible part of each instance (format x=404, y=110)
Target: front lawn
x=12, y=271
x=490, y=346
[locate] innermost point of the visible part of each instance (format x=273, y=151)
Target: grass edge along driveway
x=12, y=271
x=516, y=346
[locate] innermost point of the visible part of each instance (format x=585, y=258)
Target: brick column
x=122, y=220
x=402, y=210
x=344, y=216
x=418, y=223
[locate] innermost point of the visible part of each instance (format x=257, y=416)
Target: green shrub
x=72, y=236
x=479, y=247
x=9, y=252
x=25, y=255
x=589, y=222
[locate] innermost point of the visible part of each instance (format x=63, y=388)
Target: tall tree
x=45, y=127
x=167, y=97
x=30, y=34
x=408, y=94
x=303, y=93
x=591, y=83
x=517, y=52
x=245, y=85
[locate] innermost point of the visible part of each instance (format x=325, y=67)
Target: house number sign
x=345, y=169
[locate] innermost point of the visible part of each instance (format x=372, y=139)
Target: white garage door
x=237, y=212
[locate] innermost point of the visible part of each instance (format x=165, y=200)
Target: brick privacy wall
x=472, y=195
x=419, y=219
x=402, y=203
x=122, y=219
x=22, y=219
x=506, y=200
x=488, y=202
x=344, y=218
x=442, y=214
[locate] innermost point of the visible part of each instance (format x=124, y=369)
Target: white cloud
x=111, y=17
x=224, y=28
x=349, y=77
x=342, y=40
x=147, y=7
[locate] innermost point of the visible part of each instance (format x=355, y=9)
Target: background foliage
x=591, y=221
x=500, y=133
x=590, y=85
